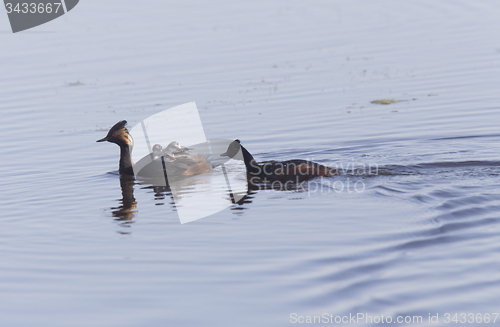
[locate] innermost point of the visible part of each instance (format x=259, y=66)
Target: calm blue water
x=80, y=247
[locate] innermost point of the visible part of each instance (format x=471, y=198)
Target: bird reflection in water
x=127, y=211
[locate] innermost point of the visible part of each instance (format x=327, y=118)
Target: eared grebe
x=290, y=170
x=177, y=161
x=119, y=135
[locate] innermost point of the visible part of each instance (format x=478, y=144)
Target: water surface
x=81, y=247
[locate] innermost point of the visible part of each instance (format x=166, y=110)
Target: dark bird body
x=291, y=170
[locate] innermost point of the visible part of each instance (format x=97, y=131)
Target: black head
x=233, y=149
x=118, y=134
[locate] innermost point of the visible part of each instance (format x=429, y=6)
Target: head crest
x=118, y=126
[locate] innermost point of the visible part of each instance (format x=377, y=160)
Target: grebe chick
x=173, y=148
x=176, y=152
x=181, y=164
x=176, y=148
x=119, y=135
x=158, y=152
x=290, y=170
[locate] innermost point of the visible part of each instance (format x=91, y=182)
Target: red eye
x=113, y=135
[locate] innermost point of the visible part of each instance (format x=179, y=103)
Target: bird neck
x=253, y=167
x=126, y=160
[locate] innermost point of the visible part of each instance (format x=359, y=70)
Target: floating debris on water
x=386, y=101
x=77, y=83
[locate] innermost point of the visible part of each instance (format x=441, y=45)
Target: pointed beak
x=224, y=154
x=103, y=139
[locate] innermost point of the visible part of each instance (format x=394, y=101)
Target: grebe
x=290, y=170
x=181, y=163
x=119, y=135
